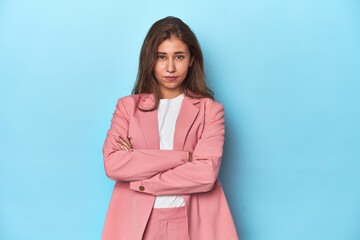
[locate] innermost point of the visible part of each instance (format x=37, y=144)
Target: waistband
x=168, y=213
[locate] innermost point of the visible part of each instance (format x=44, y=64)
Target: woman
x=164, y=147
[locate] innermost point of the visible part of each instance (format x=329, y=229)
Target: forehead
x=173, y=44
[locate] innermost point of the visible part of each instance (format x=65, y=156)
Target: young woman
x=164, y=147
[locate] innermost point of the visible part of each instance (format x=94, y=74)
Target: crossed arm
x=167, y=172
x=136, y=164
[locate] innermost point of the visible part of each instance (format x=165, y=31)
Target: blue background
x=287, y=73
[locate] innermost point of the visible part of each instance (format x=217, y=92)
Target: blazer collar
x=149, y=121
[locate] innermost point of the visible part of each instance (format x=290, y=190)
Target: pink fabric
x=167, y=223
x=146, y=171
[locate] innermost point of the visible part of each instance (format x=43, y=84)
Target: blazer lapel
x=149, y=121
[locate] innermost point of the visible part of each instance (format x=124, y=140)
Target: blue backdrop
x=287, y=73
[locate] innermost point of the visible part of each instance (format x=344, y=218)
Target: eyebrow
x=175, y=52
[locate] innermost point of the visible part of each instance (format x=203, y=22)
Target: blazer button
x=142, y=188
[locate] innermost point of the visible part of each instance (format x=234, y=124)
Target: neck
x=169, y=95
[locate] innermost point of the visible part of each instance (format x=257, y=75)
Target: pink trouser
x=166, y=223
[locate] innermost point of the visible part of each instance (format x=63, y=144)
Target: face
x=172, y=63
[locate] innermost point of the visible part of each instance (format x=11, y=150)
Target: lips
x=170, y=78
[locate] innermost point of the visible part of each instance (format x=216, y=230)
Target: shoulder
x=212, y=110
x=133, y=101
x=129, y=98
x=206, y=103
x=129, y=101
x=211, y=105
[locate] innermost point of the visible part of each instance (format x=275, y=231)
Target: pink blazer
x=146, y=171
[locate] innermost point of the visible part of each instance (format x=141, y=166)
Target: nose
x=171, y=66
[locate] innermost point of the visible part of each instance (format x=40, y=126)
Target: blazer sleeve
x=135, y=164
x=200, y=174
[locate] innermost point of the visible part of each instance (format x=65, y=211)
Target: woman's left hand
x=125, y=145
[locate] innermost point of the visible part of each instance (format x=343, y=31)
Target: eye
x=161, y=57
x=180, y=56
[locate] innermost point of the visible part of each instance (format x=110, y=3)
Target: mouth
x=170, y=78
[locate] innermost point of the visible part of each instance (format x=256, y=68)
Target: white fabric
x=168, y=112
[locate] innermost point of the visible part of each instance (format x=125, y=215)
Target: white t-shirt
x=168, y=112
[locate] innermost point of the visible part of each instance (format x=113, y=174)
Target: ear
x=191, y=61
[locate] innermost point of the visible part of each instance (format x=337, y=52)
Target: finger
x=118, y=143
x=127, y=144
x=130, y=144
x=121, y=145
x=124, y=148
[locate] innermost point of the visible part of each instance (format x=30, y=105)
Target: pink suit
x=146, y=171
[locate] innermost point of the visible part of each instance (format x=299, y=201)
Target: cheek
x=184, y=70
x=157, y=70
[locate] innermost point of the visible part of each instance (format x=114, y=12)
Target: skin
x=173, y=59
x=125, y=145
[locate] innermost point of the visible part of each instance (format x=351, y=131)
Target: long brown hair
x=195, y=79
